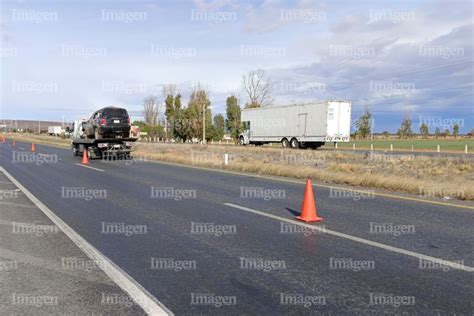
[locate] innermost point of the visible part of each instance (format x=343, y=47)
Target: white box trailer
x=298, y=125
x=55, y=130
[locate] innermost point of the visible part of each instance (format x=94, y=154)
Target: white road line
x=86, y=166
x=451, y=264
x=21, y=148
x=139, y=294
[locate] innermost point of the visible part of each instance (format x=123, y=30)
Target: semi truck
x=308, y=125
x=99, y=148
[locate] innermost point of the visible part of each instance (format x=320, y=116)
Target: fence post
x=226, y=159
x=465, y=149
x=354, y=146
x=391, y=147
x=335, y=145
x=412, y=147
x=371, y=147
x=437, y=148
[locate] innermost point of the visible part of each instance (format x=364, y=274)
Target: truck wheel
x=284, y=143
x=97, y=135
x=294, y=144
x=241, y=141
x=75, y=151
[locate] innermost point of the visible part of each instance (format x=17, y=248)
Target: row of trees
x=364, y=127
x=424, y=131
x=192, y=122
x=195, y=121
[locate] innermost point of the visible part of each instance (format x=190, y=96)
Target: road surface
x=210, y=242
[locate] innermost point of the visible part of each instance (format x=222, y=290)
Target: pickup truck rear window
x=115, y=113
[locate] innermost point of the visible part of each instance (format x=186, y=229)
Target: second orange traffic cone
x=33, y=147
x=308, y=208
x=13, y=143
x=85, y=159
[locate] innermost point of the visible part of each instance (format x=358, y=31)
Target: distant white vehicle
x=299, y=125
x=55, y=130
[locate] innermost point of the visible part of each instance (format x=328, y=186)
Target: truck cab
x=244, y=137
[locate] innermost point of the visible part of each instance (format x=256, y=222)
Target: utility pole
x=203, y=123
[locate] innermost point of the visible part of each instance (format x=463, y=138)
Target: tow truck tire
x=284, y=143
x=89, y=154
x=75, y=150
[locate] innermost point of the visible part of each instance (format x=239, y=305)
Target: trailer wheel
x=284, y=143
x=241, y=141
x=75, y=150
x=294, y=144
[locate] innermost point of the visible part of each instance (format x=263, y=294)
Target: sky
x=61, y=60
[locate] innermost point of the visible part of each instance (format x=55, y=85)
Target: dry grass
x=426, y=176
x=39, y=139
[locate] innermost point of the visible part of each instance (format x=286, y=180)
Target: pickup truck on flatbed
x=99, y=148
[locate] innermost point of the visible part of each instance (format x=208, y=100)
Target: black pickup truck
x=109, y=122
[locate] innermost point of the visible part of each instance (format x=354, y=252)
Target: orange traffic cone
x=85, y=159
x=3, y=139
x=13, y=143
x=33, y=147
x=308, y=208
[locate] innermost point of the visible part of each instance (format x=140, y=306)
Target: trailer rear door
x=339, y=121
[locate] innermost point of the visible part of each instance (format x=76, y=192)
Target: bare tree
x=257, y=88
x=169, y=89
x=151, y=110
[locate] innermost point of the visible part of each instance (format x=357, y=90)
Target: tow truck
x=104, y=148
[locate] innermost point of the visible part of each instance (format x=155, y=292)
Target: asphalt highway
x=210, y=242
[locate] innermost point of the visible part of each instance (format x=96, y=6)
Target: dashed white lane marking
x=21, y=148
x=454, y=265
x=86, y=166
x=138, y=293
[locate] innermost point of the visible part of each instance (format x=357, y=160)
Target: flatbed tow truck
x=100, y=148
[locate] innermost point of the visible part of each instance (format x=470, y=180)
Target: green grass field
x=406, y=144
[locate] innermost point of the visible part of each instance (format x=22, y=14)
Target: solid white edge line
x=86, y=166
x=443, y=262
x=140, y=295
